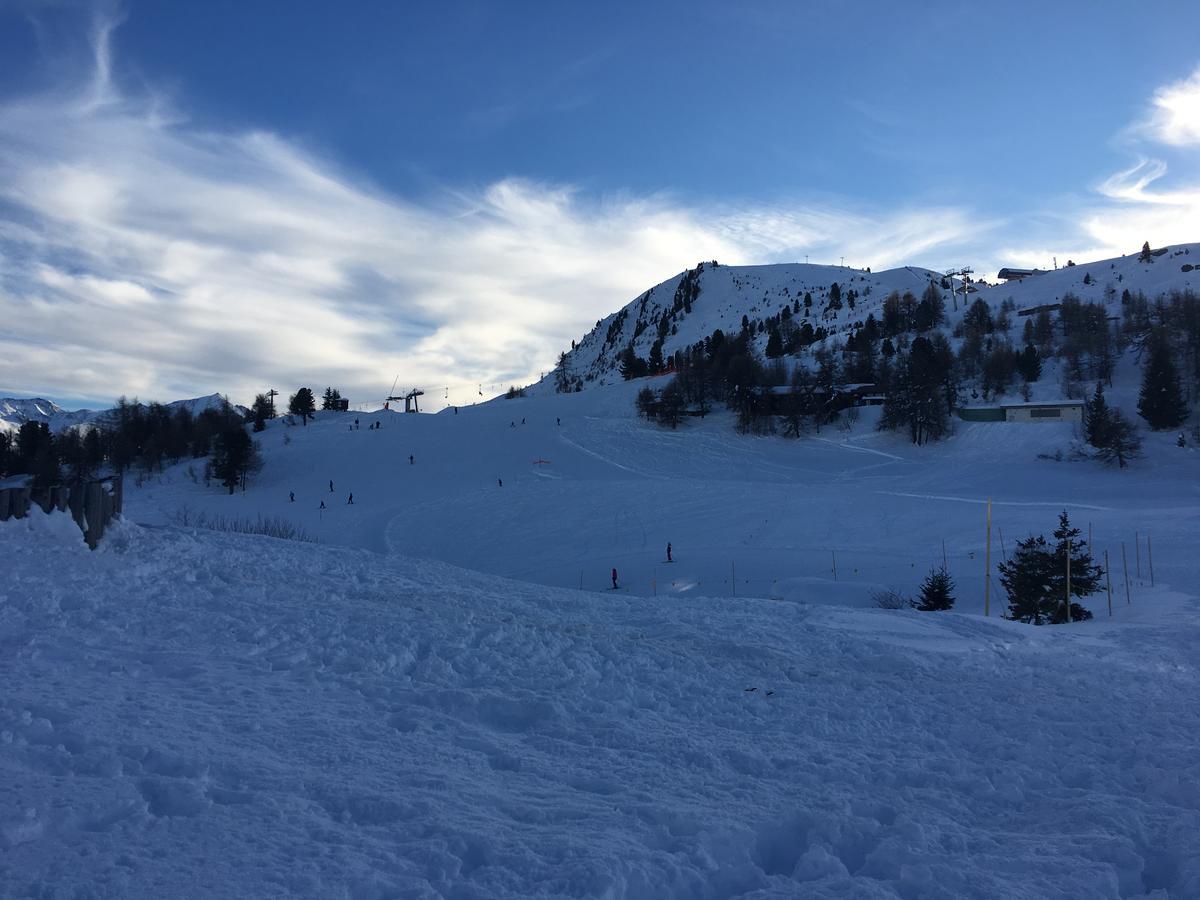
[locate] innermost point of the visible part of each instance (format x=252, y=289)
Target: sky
x=231, y=197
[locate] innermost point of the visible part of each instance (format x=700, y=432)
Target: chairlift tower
x=962, y=273
x=410, y=399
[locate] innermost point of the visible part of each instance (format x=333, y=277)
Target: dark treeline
x=146, y=437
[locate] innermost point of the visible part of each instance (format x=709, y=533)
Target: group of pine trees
x=1040, y=577
x=1038, y=580
x=149, y=437
x=145, y=436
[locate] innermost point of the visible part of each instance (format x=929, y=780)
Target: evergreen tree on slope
x=937, y=591
x=1161, y=402
x=302, y=404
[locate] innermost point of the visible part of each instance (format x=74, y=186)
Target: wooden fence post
x=1108, y=580
x=1125, y=569
x=987, y=565
x=1150, y=558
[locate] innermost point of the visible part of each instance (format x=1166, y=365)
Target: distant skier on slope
x=614, y=578
x=291, y=496
x=350, y=499
x=500, y=482
x=669, y=552
x=411, y=460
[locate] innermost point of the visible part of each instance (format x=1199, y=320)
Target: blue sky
x=215, y=196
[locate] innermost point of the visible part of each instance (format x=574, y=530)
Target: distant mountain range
x=14, y=412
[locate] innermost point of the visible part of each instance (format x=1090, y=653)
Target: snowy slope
x=724, y=294
x=613, y=490
x=195, y=714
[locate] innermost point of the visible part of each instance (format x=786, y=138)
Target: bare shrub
x=270, y=526
x=890, y=598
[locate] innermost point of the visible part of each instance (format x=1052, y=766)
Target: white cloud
x=1176, y=117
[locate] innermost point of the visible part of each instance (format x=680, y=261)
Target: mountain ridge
x=688, y=307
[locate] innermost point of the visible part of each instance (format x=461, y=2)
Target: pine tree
x=835, y=296
x=1097, y=420
x=672, y=404
x=937, y=591
x=1024, y=579
x=562, y=375
x=774, y=344
x=328, y=401
x=302, y=404
x=1146, y=255
x=1085, y=577
x=234, y=456
x=1161, y=401
x=1123, y=442
x=655, y=362
x=632, y=365
x=645, y=402
x=1029, y=361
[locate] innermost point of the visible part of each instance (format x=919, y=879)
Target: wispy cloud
x=143, y=255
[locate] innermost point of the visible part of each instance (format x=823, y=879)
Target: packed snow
x=424, y=702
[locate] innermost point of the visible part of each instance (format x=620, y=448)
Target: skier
x=500, y=482
x=669, y=552
x=356, y=423
x=350, y=499
x=411, y=461
x=378, y=424
x=322, y=504
x=614, y=577
x=292, y=496
x=522, y=420
x=557, y=420
x=331, y=485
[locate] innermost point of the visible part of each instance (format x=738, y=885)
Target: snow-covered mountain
x=14, y=412
x=690, y=306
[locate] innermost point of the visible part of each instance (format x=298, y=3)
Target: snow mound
x=199, y=714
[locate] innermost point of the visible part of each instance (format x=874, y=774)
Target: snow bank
x=199, y=714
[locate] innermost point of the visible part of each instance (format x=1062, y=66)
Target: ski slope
x=745, y=515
